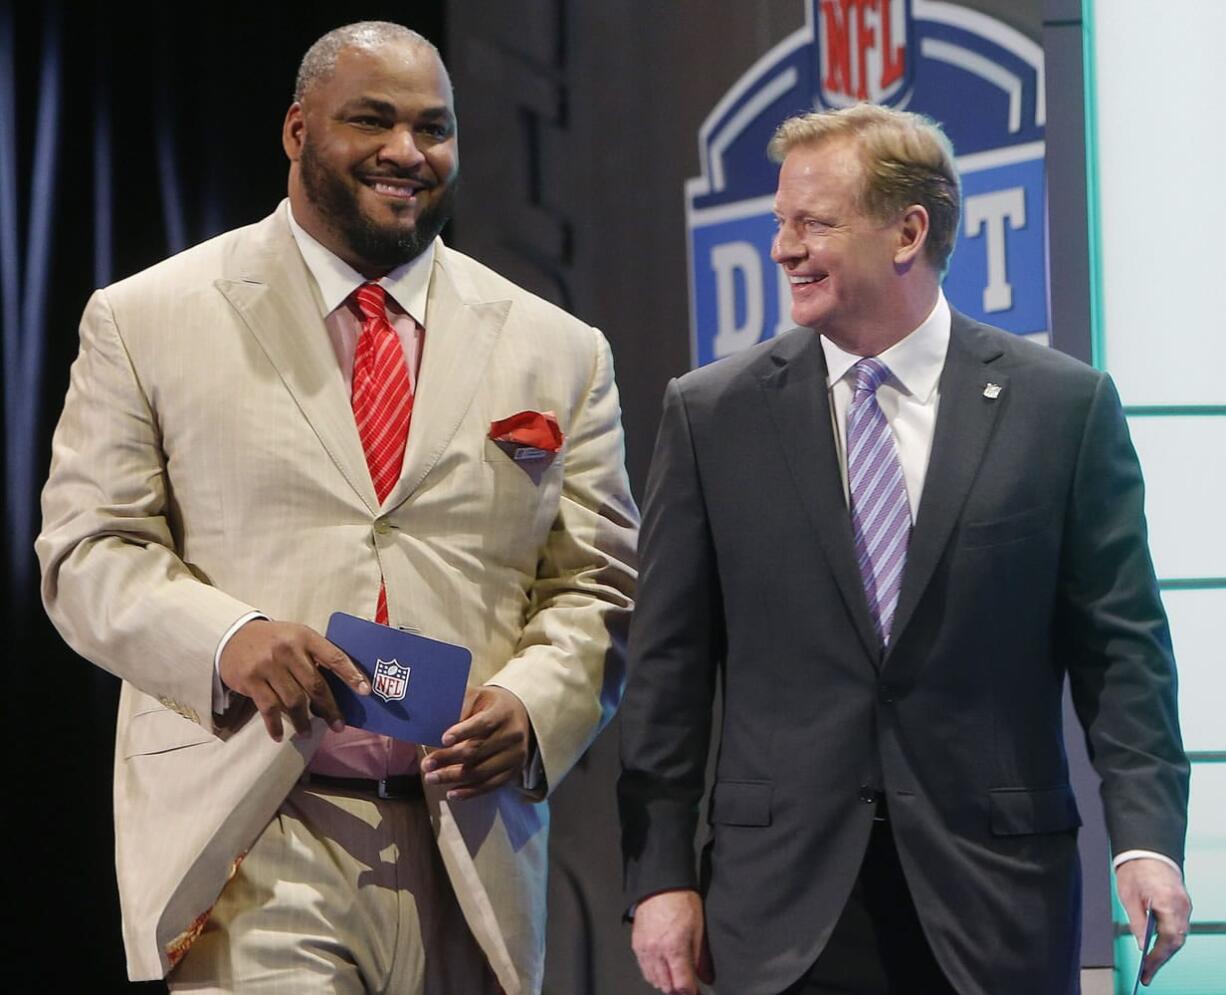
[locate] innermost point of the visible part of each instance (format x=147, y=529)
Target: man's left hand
x=1147, y=883
x=484, y=750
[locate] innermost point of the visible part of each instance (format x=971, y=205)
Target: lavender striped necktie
x=880, y=514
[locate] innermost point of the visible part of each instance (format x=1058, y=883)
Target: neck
x=909, y=306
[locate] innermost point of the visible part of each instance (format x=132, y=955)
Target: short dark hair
x=320, y=60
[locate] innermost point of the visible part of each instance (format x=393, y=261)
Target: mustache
x=396, y=174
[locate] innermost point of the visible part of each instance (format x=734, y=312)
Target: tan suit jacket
x=207, y=464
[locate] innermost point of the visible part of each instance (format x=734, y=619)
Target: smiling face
x=373, y=155
x=843, y=265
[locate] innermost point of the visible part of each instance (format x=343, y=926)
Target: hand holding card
x=417, y=684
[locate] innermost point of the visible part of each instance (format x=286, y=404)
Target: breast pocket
x=534, y=465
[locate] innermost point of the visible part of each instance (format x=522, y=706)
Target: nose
x=786, y=246
x=400, y=148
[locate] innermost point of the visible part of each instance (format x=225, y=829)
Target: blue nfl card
x=1150, y=928
x=416, y=684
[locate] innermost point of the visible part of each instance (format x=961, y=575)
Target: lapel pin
x=992, y=391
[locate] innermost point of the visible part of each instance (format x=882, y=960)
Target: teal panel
x=1198, y=969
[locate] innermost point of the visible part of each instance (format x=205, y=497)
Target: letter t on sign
x=988, y=212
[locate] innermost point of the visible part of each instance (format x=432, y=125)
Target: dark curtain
x=128, y=131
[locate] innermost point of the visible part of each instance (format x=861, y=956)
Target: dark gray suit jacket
x=1028, y=562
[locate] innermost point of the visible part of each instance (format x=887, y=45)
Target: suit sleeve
x=112, y=581
x=569, y=666
x=1114, y=633
x=676, y=645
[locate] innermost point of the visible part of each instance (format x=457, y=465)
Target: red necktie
x=382, y=399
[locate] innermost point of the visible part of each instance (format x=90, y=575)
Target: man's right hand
x=669, y=942
x=276, y=665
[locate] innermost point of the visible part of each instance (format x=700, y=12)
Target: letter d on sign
x=729, y=260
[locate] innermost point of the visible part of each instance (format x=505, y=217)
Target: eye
x=439, y=131
x=367, y=121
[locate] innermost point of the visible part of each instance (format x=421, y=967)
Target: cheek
x=444, y=160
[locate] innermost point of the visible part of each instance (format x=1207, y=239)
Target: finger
x=1172, y=934
x=479, y=724
x=331, y=657
x=1138, y=912
x=320, y=698
x=467, y=752
x=1162, y=952
x=484, y=787
x=473, y=753
x=294, y=700
x=270, y=711
x=681, y=971
x=464, y=782
x=655, y=971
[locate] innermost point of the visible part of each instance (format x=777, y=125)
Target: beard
x=379, y=246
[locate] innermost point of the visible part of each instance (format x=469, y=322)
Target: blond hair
x=907, y=160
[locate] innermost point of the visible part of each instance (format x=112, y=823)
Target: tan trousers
x=342, y=894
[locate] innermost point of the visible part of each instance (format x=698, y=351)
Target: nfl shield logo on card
x=391, y=680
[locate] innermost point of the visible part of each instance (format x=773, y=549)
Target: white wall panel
x=1184, y=462
x=1160, y=149
x=1196, y=629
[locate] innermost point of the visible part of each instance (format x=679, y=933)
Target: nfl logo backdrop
x=981, y=79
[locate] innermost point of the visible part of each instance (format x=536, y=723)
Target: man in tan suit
x=214, y=497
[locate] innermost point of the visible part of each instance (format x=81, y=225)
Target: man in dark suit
x=888, y=535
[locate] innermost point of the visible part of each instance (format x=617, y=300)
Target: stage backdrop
x=613, y=161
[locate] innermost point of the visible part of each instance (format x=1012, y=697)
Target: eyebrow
x=389, y=109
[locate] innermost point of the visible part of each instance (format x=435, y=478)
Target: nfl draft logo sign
x=391, y=680
x=981, y=79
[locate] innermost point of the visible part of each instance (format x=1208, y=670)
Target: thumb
x=472, y=697
x=1138, y=914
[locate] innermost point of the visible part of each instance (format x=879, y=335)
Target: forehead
x=829, y=172
x=394, y=72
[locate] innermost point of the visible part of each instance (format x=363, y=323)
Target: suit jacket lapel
x=272, y=293
x=964, y=425
x=796, y=395
x=462, y=329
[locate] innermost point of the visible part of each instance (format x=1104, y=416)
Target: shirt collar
x=408, y=284
x=915, y=361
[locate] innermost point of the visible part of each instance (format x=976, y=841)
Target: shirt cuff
x=534, y=770
x=1127, y=855
x=221, y=693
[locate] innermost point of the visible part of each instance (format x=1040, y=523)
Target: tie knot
x=870, y=373
x=372, y=301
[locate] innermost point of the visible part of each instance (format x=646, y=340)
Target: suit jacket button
x=382, y=526
x=868, y=795
x=886, y=694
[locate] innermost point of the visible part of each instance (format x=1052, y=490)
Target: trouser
x=343, y=893
x=878, y=946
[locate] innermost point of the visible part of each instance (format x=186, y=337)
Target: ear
x=293, y=131
x=912, y=235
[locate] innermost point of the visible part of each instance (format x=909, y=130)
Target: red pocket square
x=531, y=429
